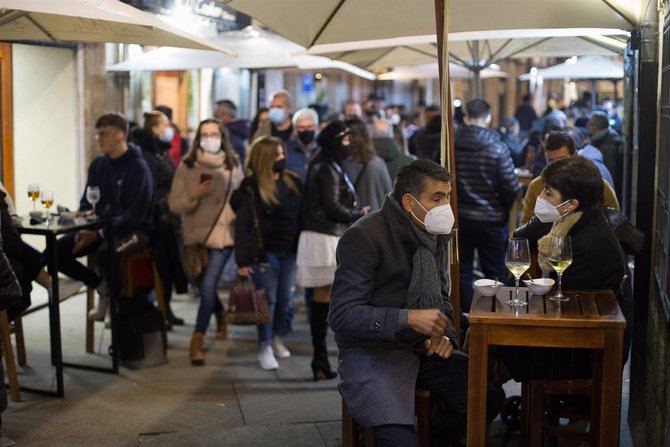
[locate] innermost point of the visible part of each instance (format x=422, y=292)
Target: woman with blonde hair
x=201, y=191
x=267, y=206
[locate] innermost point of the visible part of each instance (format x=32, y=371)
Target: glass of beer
x=33, y=193
x=517, y=261
x=47, y=199
x=560, y=258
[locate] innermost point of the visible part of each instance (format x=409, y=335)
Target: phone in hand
x=205, y=177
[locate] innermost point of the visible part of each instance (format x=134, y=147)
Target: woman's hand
x=203, y=189
x=245, y=271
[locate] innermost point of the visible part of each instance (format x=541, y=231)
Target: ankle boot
x=221, y=326
x=99, y=311
x=319, y=327
x=196, y=350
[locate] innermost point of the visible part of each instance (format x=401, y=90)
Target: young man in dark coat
x=126, y=192
x=391, y=312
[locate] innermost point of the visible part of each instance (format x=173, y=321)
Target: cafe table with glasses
x=533, y=316
x=51, y=226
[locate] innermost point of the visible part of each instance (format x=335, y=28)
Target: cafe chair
x=542, y=410
x=350, y=428
x=8, y=354
x=138, y=269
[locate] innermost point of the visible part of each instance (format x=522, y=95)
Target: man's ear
x=407, y=203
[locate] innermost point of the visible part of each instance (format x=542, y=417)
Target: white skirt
x=316, y=259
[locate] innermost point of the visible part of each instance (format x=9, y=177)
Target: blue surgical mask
x=277, y=115
x=167, y=135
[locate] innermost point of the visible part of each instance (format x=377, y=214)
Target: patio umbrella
x=92, y=21
x=257, y=48
x=309, y=23
x=581, y=68
x=430, y=71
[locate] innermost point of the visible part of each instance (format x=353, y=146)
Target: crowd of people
x=351, y=210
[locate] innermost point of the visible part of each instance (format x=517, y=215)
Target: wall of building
x=46, y=124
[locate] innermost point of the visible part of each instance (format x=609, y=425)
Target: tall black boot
x=319, y=327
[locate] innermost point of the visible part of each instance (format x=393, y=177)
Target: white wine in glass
x=93, y=197
x=517, y=261
x=560, y=258
x=47, y=199
x=34, y=193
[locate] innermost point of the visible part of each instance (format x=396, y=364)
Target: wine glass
x=517, y=261
x=560, y=258
x=33, y=193
x=93, y=197
x=47, y=199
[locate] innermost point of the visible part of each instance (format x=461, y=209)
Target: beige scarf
x=561, y=228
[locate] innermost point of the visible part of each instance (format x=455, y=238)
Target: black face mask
x=306, y=136
x=279, y=165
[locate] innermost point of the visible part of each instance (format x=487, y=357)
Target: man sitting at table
x=126, y=192
x=557, y=146
x=392, y=315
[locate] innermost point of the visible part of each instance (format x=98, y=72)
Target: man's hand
x=83, y=239
x=439, y=345
x=201, y=190
x=429, y=322
x=245, y=271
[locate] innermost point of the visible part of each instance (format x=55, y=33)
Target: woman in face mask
x=571, y=203
x=331, y=205
x=201, y=192
x=267, y=206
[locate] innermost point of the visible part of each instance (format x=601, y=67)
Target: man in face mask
x=392, y=315
x=279, y=117
x=302, y=147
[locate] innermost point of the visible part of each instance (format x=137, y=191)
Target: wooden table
x=590, y=320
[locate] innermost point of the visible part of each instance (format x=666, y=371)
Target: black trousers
x=447, y=381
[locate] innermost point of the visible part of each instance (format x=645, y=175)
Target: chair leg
x=90, y=297
x=20, y=341
x=9, y=357
x=536, y=414
x=128, y=282
x=160, y=291
x=369, y=437
x=422, y=405
x=349, y=436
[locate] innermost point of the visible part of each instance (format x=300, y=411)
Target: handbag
x=247, y=305
x=194, y=258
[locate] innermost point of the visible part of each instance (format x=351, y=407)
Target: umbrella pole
x=447, y=152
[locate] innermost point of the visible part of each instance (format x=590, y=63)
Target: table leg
x=115, y=294
x=607, y=390
x=477, y=385
x=54, y=315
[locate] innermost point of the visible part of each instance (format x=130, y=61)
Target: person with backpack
x=200, y=193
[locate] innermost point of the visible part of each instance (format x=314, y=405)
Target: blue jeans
x=209, y=298
x=277, y=277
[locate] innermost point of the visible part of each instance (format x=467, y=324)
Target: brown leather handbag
x=247, y=305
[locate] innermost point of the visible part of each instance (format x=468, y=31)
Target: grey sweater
x=373, y=184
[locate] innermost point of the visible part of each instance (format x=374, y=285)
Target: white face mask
x=547, y=212
x=211, y=144
x=439, y=220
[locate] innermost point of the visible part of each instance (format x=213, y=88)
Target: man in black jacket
x=126, y=192
x=487, y=189
x=609, y=142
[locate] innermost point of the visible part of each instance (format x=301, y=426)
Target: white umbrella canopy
x=257, y=48
x=91, y=21
x=309, y=22
x=581, y=68
x=431, y=71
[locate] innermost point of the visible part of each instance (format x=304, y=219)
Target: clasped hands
x=433, y=323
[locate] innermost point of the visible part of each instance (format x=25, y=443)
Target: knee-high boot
x=319, y=326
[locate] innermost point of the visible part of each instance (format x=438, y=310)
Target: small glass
x=560, y=258
x=517, y=261
x=93, y=197
x=47, y=199
x=33, y=193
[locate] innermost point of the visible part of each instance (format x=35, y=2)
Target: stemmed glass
x=517, y=261
x=560, y=258
x=33, y=193
x=93, y=197
x=47, y=201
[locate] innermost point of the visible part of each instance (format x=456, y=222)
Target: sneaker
x=280, y=350
x=266, y=358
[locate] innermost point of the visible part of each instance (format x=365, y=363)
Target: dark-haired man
x=238, y=129
x=126, y=192
x=391, y=312
x=487, y=189
x=558, y=146
x=610, y=144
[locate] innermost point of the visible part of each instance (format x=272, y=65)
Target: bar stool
x=350, y=427
x=539, y=420
x=137, y=269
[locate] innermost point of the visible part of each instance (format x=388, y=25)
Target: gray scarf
x=428, y=270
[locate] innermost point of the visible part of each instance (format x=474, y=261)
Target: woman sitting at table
x=572, y=201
